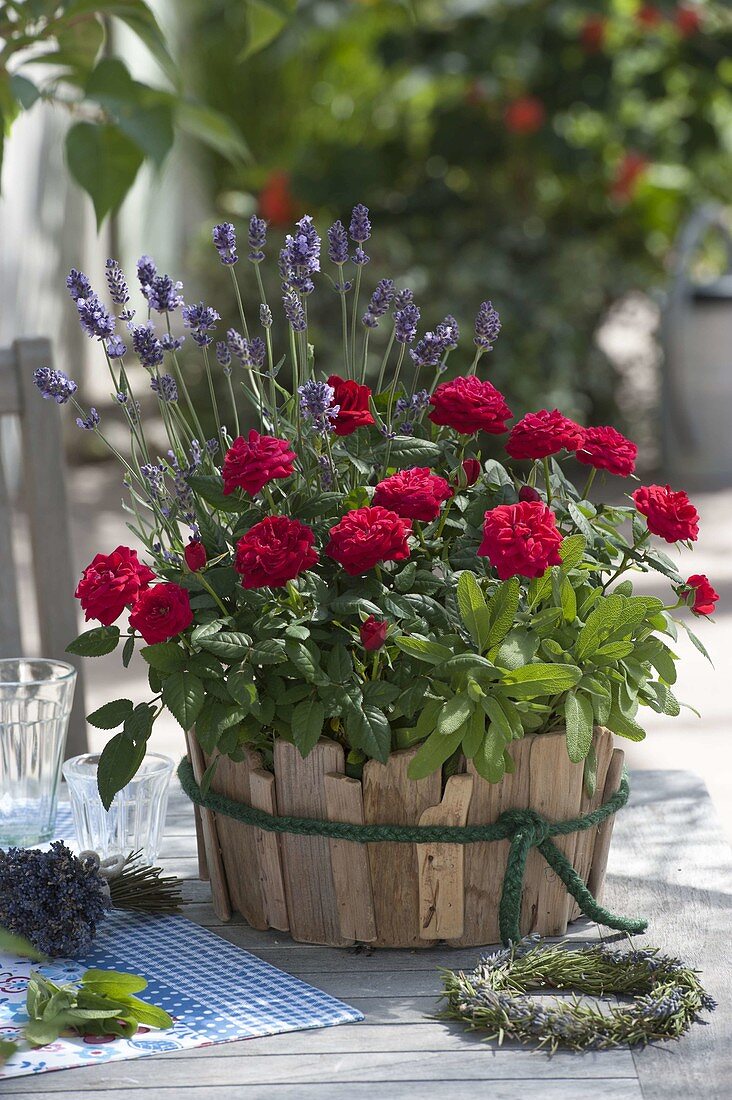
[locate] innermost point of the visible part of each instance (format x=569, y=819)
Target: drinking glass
x=134, y=822
x=35, y=704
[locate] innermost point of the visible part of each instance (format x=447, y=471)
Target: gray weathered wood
x=667, y=861
x=44, y=501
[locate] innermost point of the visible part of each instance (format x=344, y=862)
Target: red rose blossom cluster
x=542, y=434
x=252, y=463
x=469, y=405
x=413, y=494
x=352, y=401
x=607, y=449
x=367, y=536
x=113, y=582
x=669, y=514
x=274, y=551
x=704, y=596
x=521, y=539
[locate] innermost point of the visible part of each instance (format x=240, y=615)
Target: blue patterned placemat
x=215, y=991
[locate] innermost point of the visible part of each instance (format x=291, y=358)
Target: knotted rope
x=525, y=829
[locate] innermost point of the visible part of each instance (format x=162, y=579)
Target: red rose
x=607, y=449
x=469, y=405
x=528, y=493
x=195, y=555
x=627, y=175
x=524, y=115
x=353, y=405
x=414, y=494
x=161, y=612
x=473, y=470
x=542, y=434
x=367, y=536
x=687, y=21
x=670, y=515
x=592, y=35
x=110, y=583
x=274, y=551
x=705, y=596
x=276, y=204
x=373, y=633
x=521, y=539
x=253, y=462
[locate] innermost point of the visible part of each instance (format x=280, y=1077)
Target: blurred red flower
x=627, y=175
x=592, y=33
x=276, y=203
x=524, y=115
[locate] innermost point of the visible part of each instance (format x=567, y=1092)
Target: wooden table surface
x=668, y=862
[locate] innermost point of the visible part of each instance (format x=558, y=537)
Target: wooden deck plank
x=524, y=1089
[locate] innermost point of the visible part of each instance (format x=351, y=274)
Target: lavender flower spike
x=428, y=351
x=448, y=332
x=487, y=327
x=257, y=351
x=54, y=385
x=146, y=272
x=78, y=285
x=405, y=323
x=265, y=316
x=165, y=387
x=237, y=345
x=90, y=422
x=117, y=283
x=224, y=239
x=337, y=243
x=379, y=304
x=257, y=238
x=164, y=295
x=316, y=404
x=223, y=355
x=403, y=298
x=300, y=258
x=201, y=320
x=293, y=311
x=360, y=227
x=147, y=347
x=116, y=347
x=94, y=318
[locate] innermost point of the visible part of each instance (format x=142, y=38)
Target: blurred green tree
x=540, y=152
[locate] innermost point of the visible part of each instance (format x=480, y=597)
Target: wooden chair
x=43, y=500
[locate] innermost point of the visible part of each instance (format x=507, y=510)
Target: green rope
x=526, y=829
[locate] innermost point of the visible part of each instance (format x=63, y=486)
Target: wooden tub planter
x=397, y=894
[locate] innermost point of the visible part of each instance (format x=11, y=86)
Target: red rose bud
x=521, y=540
x=472, y=470
x=687, y=22
x=542, y=434
x=373, y=633
x=161, y=612
x=276, y=204
x=649, y=17
x=592, y=35
x=524, y=115
x=468, y=405
x=353, y=405
x=669, y=515
x=252, y=463
x=195, y=555
x=273, y=552
x=413, y=494
x=607, y=449
x=367, y=536
x=528, y=493
x=704, y=595
x=110, y=583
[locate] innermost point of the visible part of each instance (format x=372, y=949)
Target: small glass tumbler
x=35, y=704
x=134, y=822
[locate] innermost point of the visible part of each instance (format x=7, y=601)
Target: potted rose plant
x=353, y=614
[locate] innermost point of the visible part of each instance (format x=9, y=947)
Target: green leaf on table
x=18, y=945
x=119, y=760
x=113, y=982
x=183, y=695
x=111, y=715
x=7, y=1050
x=473, y=609
x=95, y=643
x=104, y=161
x=165, y=656
x=307, y=725
x=579, y=719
